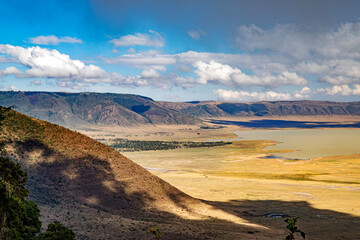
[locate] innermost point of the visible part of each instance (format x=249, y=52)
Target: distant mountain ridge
x=78, y=109
x=74, y=109
x=266, y=108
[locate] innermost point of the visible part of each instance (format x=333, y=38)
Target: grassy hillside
x=101, y=194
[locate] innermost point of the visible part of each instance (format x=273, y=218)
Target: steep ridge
x=275, y=108
x=98, y=192
x=76, y=109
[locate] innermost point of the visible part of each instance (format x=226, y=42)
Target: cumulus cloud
x=9, y=71
x=75, y=74
x=53, y=40
x=153, y=39
x=342, y=90
x=231, y=95
x=196, y=34
x=150, y=73
x=69, y=73
x=226, y=75
x=343, y=71
x=43, y=62
x=215, y=72
x=305, y=92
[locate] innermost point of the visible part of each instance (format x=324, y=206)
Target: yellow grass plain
x=323, y=192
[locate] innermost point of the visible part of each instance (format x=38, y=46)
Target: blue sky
x=184, y=50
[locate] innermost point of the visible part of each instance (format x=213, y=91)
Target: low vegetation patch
x=124, y=145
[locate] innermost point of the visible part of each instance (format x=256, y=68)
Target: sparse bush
x=293, y=228
x=156, y=232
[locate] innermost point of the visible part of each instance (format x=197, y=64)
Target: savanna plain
x=255, y=178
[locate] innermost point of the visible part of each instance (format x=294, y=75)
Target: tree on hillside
x=19, y=217
x=56, y=231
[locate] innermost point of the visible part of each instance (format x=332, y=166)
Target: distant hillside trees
x=124, y=145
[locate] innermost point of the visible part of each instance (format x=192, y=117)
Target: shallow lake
x=309, y=143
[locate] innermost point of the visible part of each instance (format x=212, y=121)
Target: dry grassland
x=324, y=192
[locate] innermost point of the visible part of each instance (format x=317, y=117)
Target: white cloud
x=9, y=71
x=356, y=89
x=312, y=67
x=184, y=82
x=67, y=72
x=43, y=62
x=143, y=59
x=153, y=39
x=75, y=74
x=185, y=60
x=53, y=40
x=150, y=73
x=305, y=90
x=230, y=95
x=196, y=34
x=340, y=72
x=215, y=72
x=211, y=71
x=343, y=90
x=71, y=84
x=12, y=88
x=226, y=75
